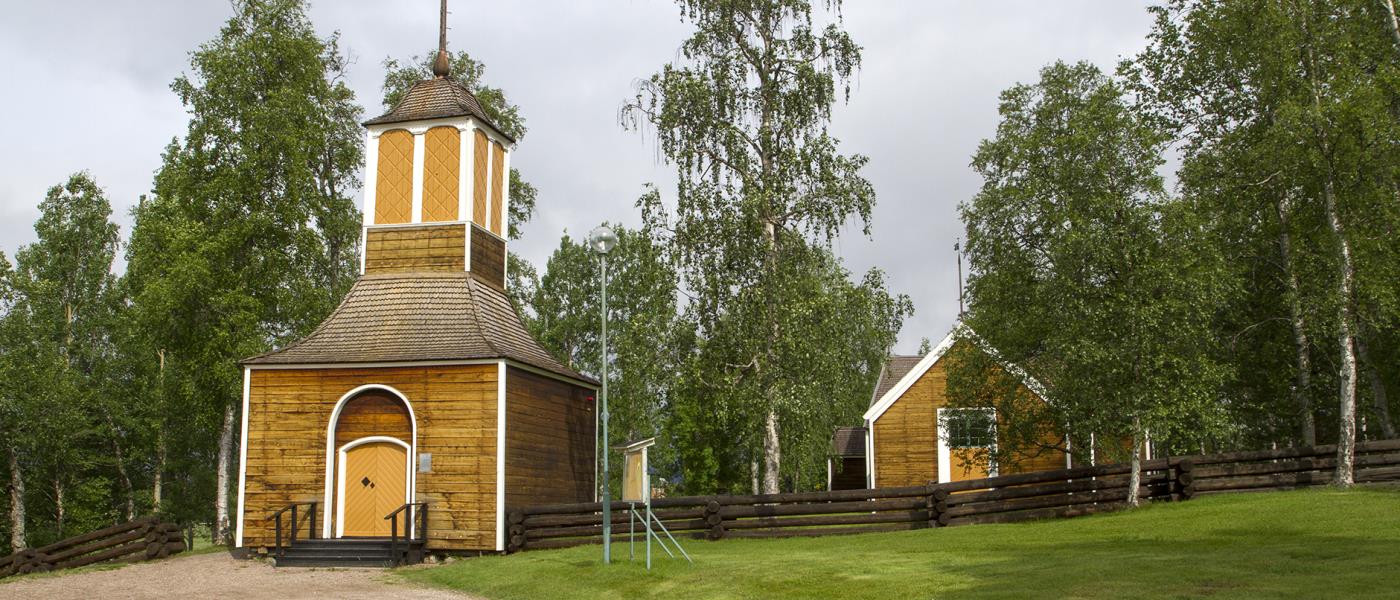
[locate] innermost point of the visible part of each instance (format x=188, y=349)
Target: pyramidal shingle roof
x=419, y=317
x=437, y=98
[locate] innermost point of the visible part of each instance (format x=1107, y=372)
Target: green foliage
x=782, y=334
x=1085, y=272
x=645, y=333
x=59, y=418
x=251, y=237
x=1277, y=104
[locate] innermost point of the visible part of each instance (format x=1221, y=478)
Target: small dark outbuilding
x=845, y=468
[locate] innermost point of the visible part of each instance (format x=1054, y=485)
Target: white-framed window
x=965, y=431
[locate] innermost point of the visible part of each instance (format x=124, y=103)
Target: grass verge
x=1302, y=544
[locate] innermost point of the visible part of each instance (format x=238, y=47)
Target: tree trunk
x=1135, y=474
x=1378, y=392
x=17, y=517
x=1302, y=382
x=1346, y=372
x=158, y=476
x=1346, y=377
x=753, y=473
x=222, y=534
x=120, y=459
x=772, y=454
x=60, y=513
x=1394, y=21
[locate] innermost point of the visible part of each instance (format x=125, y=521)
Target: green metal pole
x=607, y=492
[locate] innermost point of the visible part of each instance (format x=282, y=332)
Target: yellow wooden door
x=375, y=480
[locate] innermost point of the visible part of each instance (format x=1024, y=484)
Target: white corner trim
x=501, y=456
x=464, y=174
x=910, y=378
x=331, y=450
x=371, y=176
x=419, y=160
x=469, y=173
x=340, y=476
x=869, y=454
x=243, y=459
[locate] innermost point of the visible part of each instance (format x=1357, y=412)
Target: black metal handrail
x=420, y=514
x=310, y=524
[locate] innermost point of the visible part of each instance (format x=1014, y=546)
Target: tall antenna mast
x=442, y=66
x=957, y=249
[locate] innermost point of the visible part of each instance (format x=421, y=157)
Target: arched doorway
x=371, y=442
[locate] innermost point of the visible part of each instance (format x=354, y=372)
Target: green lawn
x=1306, y=544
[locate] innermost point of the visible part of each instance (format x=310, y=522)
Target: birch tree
x=251, y=236
x=1294, y=102
x=1085, y=273
x=743, y=116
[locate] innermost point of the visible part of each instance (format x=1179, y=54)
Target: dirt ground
x=219, y=576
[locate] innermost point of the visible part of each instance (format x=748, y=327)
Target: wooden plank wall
x=906, y=442
x=905, y=437
x=455, y=407
x=407, y=249
x=549, y=440
x=488, y=257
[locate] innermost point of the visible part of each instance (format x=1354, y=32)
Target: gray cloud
x=90, y=82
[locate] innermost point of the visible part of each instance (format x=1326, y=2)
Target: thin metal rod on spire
x=442, y=29
x=442, y=64
x=957, y=249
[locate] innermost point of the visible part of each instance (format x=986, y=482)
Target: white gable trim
x=910, y=378
x=960, y=331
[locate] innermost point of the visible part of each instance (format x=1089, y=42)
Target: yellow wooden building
x=914, y=437
x=422, y=386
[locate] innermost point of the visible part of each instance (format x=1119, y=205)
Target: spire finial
x=442, y=66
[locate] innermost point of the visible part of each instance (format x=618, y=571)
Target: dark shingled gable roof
x=895, y=369
x=848, y=441
x=437, y=98
x=419, y=317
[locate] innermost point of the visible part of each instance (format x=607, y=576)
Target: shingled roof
x=895, y=369
x=848, y=441
x=419, y=317
x=437, y=98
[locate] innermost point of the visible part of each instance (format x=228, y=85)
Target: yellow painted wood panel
x=455, y=408
x=480, y=147
x=906, y=439
x=422, y=248
x=442, y=166
x=498, y=184
x=393, y=187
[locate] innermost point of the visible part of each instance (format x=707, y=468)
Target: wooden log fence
x=142, y=539
x=1005, y=499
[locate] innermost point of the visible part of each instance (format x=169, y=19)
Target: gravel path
x=220, y=576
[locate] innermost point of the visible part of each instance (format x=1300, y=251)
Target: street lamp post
x=601, y=240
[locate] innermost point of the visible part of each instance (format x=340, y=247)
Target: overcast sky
x=89, y=89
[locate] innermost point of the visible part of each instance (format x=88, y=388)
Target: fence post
x=714, y=519
x=937, y=506
x=1185, y=479
x=517, y=530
